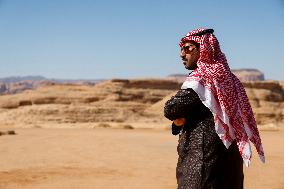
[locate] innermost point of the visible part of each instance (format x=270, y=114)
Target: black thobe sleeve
x=179, y=106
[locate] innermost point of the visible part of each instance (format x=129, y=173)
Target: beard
x=190, y=65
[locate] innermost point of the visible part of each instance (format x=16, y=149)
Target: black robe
x=204, y=162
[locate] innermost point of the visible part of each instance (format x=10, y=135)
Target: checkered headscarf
x=222, y=92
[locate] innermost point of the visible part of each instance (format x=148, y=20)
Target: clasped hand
x=179, y=121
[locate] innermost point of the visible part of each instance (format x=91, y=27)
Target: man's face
x=190, y=55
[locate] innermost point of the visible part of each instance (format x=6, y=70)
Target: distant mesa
x=15, y=79
x=249, y=74
x=17, y=84
x=3, y=88
x=242, y=74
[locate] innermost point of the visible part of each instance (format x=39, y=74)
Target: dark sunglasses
x=187, y=49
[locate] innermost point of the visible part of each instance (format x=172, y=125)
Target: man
x=213, y=117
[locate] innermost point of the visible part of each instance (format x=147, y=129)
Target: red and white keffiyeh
x=222, y=92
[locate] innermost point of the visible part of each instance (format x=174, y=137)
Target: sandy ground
x=112, y=159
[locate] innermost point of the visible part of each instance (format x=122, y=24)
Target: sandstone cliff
x=266, y=98
x=111, y=101
x=13, y=85
x=129, y=102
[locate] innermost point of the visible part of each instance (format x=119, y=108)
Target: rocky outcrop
x=15, y=79
x=17, y=87
x=13, y=85
x=111, y=101
x=267, y=99
x=120, y=101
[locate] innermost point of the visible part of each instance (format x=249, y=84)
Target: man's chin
x=187, y=67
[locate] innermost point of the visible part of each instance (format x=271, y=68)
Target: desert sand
x=113, y=159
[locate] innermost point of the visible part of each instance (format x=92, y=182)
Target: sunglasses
x=187, y=49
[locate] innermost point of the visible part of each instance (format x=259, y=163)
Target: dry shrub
x=127, y=127
x=90, y=99
x=11, y=132
x=104, y=125
x=119, y=120
x=120, y=80
x=37, y=126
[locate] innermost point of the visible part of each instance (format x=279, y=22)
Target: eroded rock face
x=120, y=101
x=13, y=85
x=267, y=99
x=110, y=101
x=17, y=87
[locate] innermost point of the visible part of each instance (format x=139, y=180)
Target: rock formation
x=111, y=101
x=266, y=98
x=12, y=85
x=119, y=101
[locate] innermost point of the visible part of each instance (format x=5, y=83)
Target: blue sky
x=93, y=39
